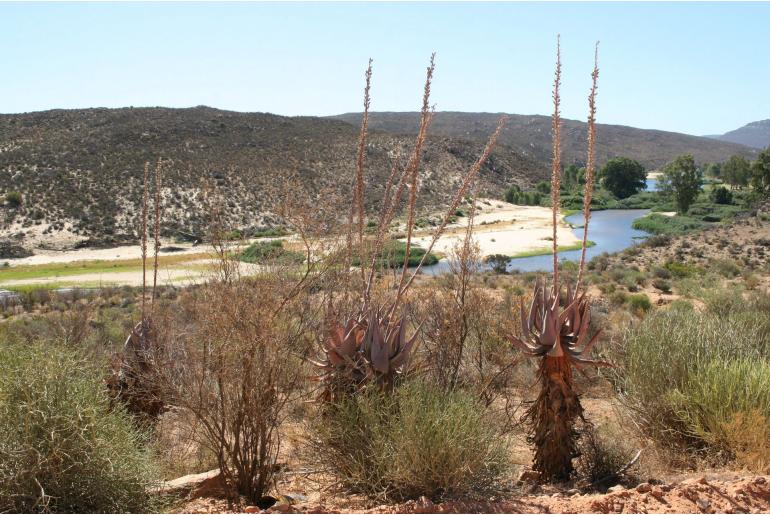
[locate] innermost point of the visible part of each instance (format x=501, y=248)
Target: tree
x=713, y=170
x=721, y=195
x=736, y=171
x=760, y=172
x=498, y=262
x=623, y=177
x=682, y=179
x=573, y=176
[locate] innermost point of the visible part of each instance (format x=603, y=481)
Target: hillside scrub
x=64, y=447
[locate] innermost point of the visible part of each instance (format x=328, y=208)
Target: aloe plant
x=372, y=345
x=560, y=337
x=362, y=352
x=134, y=378
x=556, y=330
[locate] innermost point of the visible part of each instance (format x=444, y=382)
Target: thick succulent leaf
x=525, y=323
x=590, y=344
x=379, y=352
x=530, y=350
x=403, y=356
x=596, y=363
x=550, y=333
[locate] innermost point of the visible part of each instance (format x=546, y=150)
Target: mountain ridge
x=531, y=134
x=754, y=134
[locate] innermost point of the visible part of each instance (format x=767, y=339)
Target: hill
x=531, y=135
x=80, y=171
x=754, y=134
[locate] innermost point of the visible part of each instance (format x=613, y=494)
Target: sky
x=698, y=68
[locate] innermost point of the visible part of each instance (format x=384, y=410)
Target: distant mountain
x=80, y=171
x=754, y=134
x=531, y=135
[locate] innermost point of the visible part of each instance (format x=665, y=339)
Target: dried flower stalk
x=556, y=161
x=590, y=163
x=144, y=235
x=358, y=202
x=413, y=167
x=470, y=176
x=158, y=173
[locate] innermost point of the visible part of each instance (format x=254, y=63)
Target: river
x=610, y=229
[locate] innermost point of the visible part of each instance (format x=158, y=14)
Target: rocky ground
x=714, y=493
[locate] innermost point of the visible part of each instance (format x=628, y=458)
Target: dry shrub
x=176, y=444
x=604, y=456
x=236, y=366
x=748, y=436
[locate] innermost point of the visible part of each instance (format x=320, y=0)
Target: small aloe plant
x=375, y=351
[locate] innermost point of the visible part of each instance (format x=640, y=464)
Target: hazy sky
x=700, y=68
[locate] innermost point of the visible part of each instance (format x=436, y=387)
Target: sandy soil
x=503, y=228
x=45, y=256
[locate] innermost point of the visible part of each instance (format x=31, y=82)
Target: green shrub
x=726, y=267
x=710, y=399
x=418, y=441
x=263, y=251
x=660, y=224
x=267, y=233
x=686, y=374
x=682, y=270
x=661, y=285
x=64, y=449
x=639, y=303
x=13, y=198
x=393, y=255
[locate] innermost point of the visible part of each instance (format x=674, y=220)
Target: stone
x=573, y=491
x=213, y=486
x=617, y=508
x=643, y=488
x=252, y=509
x=529, y=476
x=760, y=480
x=702, y=481
x=186, y=484
x=703, y=504
x=616, y=488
